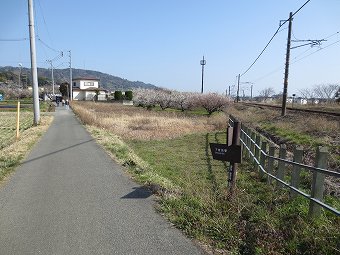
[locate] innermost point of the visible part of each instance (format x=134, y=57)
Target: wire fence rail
x=275, y=165
x=10, y=128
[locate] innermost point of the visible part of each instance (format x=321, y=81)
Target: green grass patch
x=292, y=135
x=258, y=220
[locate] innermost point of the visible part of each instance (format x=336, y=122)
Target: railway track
x=335, y=114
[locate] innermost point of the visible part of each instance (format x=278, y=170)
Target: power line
x=297, y=59
x=46, y=45
x=43, y=16
x=276, y=32
x=317, y=51
x=13, y=39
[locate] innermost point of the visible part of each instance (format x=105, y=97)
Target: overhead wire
x=271, y=39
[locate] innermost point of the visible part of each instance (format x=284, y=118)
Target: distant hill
x=107, y=81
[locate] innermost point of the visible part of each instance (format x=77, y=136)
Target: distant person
x=63, y=102
x=67, y=103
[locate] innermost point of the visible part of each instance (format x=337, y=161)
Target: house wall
x=85, y=84
x=89, y=95
x=78, y=95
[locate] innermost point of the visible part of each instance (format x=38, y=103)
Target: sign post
x=230, y=152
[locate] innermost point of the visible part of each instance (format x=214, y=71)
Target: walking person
x=67, y=103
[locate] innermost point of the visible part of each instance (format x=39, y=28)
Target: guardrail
x=263, y=155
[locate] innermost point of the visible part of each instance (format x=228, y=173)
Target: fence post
x=318, y=181
x=295, y=181
x=257, y=150
x=229, y=135
x=18, y=121
x=235, y=141
x=263, y=158
x=281, y=165
x=270, y=169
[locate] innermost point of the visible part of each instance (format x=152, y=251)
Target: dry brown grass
x=11, y=155
x=137, y=123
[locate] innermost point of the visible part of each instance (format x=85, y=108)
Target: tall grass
x=141, y=124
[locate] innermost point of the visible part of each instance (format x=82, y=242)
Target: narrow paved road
x=69, y=197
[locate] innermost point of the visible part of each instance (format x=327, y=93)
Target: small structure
x=87, y=89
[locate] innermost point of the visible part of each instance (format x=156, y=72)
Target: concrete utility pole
x=36, y=106
x=285, y=83
x=52, y=76
x=238, y=88
x=203, y=62
x=20, y=66
x=71, y=88
x=251, y=92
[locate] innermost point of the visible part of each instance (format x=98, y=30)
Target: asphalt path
x=69, y=197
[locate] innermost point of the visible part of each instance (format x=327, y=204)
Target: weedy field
x=8, y=126
x=169, y=152
x=12, y=150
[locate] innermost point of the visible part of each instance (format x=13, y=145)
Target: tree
x=266, y=93
x=326, y=91
x=337, y=96
x=64, y=87
x=307, y=93
x=184, y=100
x=128, y=95
x=212, y=102
x=164, y=99
x=118, y=95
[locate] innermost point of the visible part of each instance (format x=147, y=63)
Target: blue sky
x=162, y=41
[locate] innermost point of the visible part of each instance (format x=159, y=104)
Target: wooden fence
x=273, y=164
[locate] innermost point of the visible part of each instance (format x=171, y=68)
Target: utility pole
x=229, y=91
x=251, y=92
x=285, y=83
x=35, y=87
x=238, y=89
x=203, y=62
x=52, y=76
x=71, y=91
x=20, y=66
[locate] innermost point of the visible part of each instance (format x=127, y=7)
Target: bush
x=118, y=95
x=128, y=95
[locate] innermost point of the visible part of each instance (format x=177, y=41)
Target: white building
x=87, y=89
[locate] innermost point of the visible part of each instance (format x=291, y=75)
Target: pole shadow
x=138, y=193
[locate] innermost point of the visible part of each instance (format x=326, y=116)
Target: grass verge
x=193, y=195
x=10, y=156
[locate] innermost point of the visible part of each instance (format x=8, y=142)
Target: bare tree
x=266, y=93
x=212, y=102
x=307, y=93
x=326, y=91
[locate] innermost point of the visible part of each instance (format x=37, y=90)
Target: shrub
x=118, y=95
x=128, y=95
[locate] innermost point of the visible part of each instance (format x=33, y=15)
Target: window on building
x=88, y=83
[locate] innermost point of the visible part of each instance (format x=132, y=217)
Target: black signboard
x=224, y=152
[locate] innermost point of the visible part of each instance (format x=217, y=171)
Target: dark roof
x=86, y=78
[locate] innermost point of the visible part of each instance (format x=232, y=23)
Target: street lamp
x=202, y=62
x=293, y=100
x=20, y=65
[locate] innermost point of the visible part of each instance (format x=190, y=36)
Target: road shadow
x=54, y=152
x=138, y=193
